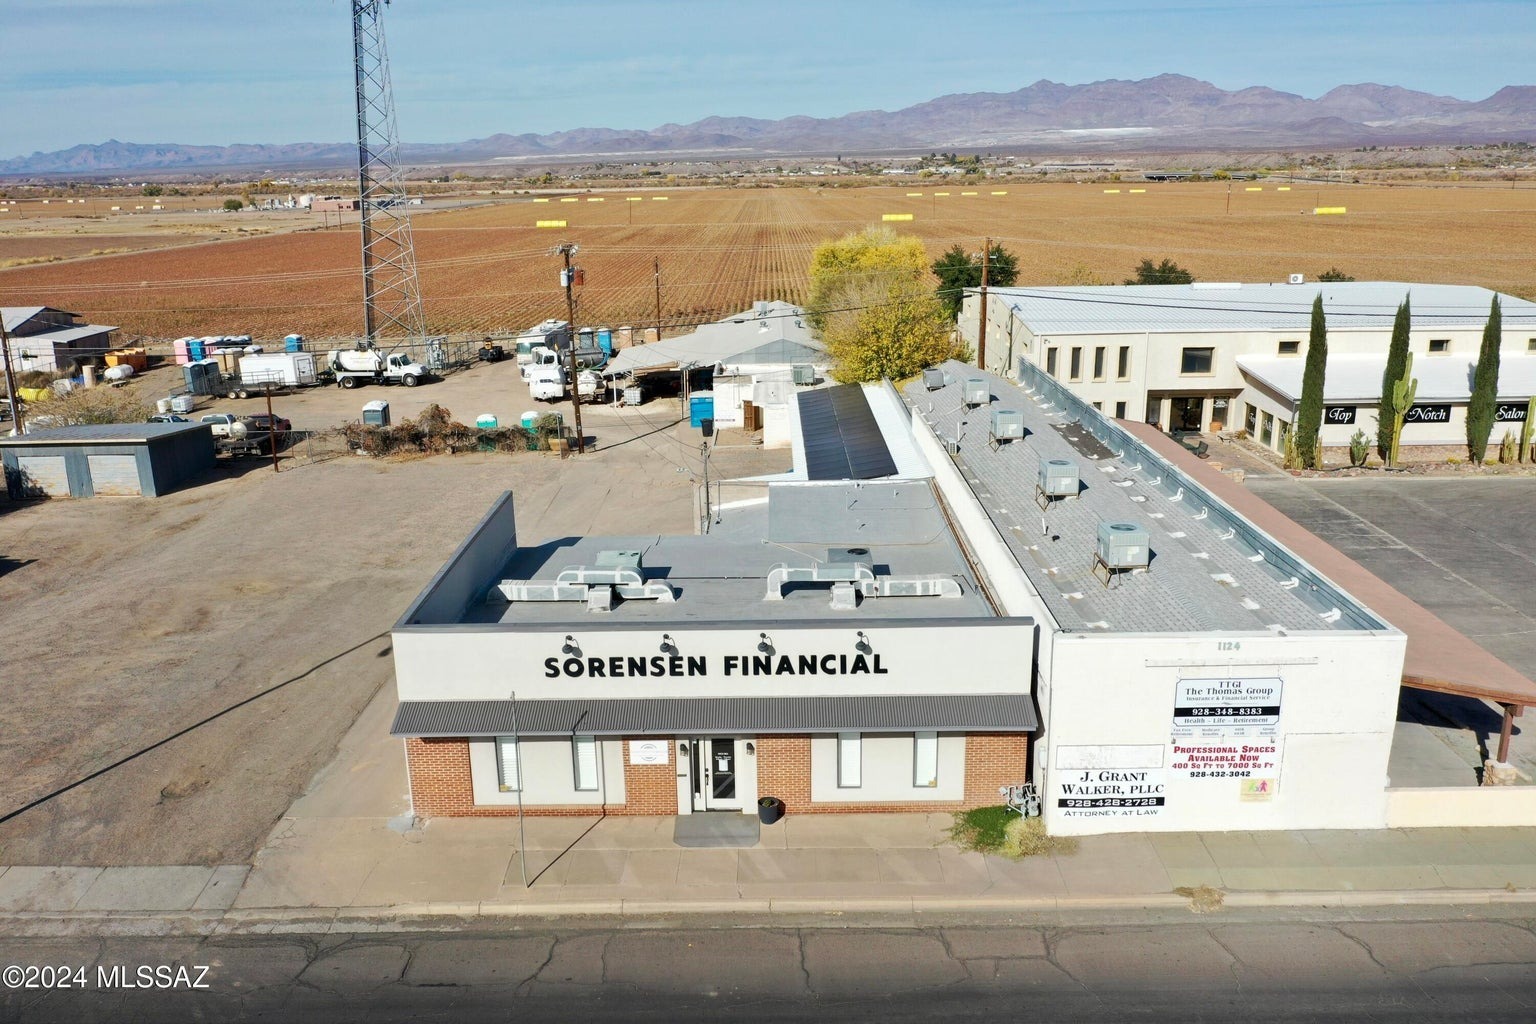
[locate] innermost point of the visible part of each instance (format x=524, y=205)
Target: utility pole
x=657, y=263
x=10, y=381
x=981, y=315
x=568, y=278
x=271, y=427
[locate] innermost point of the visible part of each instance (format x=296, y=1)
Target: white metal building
x=48, y=339
x=1211, y=357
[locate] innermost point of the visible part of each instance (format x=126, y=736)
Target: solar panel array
x=842, y=439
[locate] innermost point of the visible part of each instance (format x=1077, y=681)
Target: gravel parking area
x=130, y=620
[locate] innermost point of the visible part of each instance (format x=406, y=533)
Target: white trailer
x=279, y=369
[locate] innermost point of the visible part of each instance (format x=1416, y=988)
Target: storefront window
x=925, y=760
x=508, y=778
x=584, y=762
x=850, y=760
x=1267, y=435
x=1251, y=422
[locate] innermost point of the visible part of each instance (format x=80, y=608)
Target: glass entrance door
x=1187, y=412
x=712, y=763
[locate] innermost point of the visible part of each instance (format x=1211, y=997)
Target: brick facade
x=441, y=787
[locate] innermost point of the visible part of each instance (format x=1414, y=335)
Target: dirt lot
x=130, y=619
x=489, y=267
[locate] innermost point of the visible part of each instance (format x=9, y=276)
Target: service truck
x=368, y=365
x=275, y=371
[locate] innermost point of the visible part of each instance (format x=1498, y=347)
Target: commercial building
x=964, y=587
x=751, y=363
x=829, y=646
x=1213, y=357
x=147, y=459
x=47, y=339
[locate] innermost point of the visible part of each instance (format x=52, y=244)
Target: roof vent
x=1123, y=546
x=1298, y=279
x=615, y=574
x=977, y=392
x=1007, y=425
x=1058, y=478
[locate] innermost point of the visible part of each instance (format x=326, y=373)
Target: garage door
x=114, y=474
x=43, y=475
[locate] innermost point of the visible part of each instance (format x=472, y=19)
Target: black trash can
x=770, y=809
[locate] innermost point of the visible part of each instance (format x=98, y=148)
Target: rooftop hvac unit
x=1058, y=478
x=1123, y=546
x=1007, y=425
x=933, y=380
x=803, y=374
x=977, y=392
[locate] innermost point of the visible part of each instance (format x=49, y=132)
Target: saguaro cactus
x=1403, y=393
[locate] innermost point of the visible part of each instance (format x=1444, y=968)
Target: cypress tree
x=1397, y=359
x=1309, y=415
x=1485, y=387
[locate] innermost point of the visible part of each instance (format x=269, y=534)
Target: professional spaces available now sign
x=1232, y=708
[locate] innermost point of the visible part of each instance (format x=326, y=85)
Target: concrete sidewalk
x=348, y=850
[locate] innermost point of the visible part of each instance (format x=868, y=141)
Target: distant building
x=335, y=204
x=1212, y=357
x=48, y=339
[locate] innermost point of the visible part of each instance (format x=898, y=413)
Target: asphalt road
x=1392, y=966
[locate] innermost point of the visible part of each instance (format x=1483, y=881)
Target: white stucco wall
x=1113, y=700
x=887, y=770
x=548, y=774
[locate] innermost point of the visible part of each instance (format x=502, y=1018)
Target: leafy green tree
x=1397, y=360
x=1334, y=274
x=1482, y=407
x=958, y=270
x=873, y=306
x=1166, y=272
x=152, y=190
x=1309, y=414
x=233, y=205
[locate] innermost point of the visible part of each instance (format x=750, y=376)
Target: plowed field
x=490, y=268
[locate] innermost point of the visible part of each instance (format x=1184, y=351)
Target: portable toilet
x=196, y=349
x=529, y=419
x=179, y=348
x=293, y=343
x=605, y=340
x=701, y=407
x=487, y=421
x=376, y=414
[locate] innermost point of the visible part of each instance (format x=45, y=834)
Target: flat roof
x=1358, y=377
x=101, y=433
x=1211, y=570
x=1439, y=657
x=723, y=577
x=1357, y=305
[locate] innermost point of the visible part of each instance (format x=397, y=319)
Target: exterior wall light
x=571, y=647
x=765, y=644
x=668, y=646
x=863, y=645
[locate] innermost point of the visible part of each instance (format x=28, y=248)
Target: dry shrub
x=436, y=432
x=1203, y=899
x=1026, y=837
x=89, y=405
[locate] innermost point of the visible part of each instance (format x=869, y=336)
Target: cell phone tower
x=391, y=291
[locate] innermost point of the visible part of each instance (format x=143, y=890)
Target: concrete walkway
x=347, y=852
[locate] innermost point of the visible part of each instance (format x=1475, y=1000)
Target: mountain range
x=1162, y=113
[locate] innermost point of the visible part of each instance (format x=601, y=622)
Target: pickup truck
x=234, y=435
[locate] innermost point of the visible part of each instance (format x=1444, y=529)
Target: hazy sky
x=218, y=72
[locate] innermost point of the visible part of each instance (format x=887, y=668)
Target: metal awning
x=644, y=716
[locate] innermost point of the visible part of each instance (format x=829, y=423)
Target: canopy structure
x=772, y=333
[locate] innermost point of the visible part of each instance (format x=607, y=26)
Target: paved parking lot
x=1463, y=548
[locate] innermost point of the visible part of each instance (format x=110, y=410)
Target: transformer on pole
x=391, y=291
